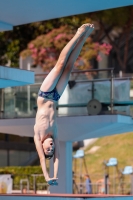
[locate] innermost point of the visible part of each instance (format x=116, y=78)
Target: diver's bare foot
x=83, y=29
x=89, y=31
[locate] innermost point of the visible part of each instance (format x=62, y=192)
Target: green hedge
x=19, y=173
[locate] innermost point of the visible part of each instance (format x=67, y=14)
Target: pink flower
x=34, y=55
x=104, y=45
x=105, y=48
x=98, y=58
x=42, y=51
x=31, y=46
x=61, y=35
x=34, y=50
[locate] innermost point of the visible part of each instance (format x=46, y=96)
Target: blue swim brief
x=53, y=95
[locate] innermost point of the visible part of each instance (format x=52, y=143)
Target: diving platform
x=74, y=121
x=17, y=12
x=12, y=77
x=70, y=129
x=73, y=127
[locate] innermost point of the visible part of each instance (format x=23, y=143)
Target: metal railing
x=20, y=102
x=25, y=183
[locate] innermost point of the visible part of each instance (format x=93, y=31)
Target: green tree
x=119, y=19
x=14, y=42
x=45, y=49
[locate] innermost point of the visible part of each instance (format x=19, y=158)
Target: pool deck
x=63, y=196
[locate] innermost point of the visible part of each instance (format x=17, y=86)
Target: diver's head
x=48, y=147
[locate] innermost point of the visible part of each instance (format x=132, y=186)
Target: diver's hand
x=52, y=181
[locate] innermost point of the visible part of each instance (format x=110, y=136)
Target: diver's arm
x=39, y=149
x=56, y=157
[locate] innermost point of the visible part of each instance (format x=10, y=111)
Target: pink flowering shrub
x=46, y=49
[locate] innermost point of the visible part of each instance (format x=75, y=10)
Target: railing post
x=112, y=92
x=34, y=183
x=2, y=104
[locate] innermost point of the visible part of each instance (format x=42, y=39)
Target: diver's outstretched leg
x=53, y=77
x=70, y=62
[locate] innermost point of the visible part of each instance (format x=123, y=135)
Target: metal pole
x=114, y=181
x=112, y=92
x=34, y=183
x=86, y=170
x=28, y=93
x=106, y=183
x=2, y=103
x=93, y=90
x=14, y=94
x=131, y=192
x=81, y=188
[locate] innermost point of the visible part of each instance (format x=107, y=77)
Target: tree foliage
x=45, y=49
x=14, y=42
x=118, y=20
